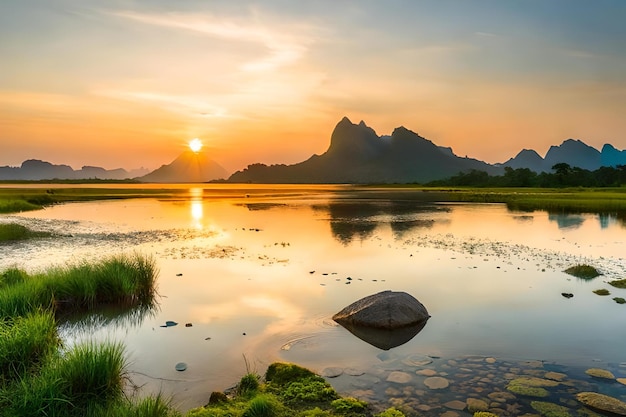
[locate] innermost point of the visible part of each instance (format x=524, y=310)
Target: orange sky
x=118, y=84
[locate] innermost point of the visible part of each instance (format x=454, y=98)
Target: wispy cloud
x=283, y=47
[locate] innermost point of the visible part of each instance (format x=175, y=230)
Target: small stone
x=600, y=373
x=450, y=414
x=557, y=376
x=332, y=372
x=353, y=371
x=436, y=382
x=181, y=366
x=188, y=325
x=455, y=405
x=602, y=402
x=490, y=360
x=399, y=377
x=426, y=372
x=423, y=407
x=474, y=405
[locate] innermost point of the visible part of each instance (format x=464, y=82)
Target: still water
x=257, y=273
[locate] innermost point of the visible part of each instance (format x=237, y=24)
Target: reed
x=126, y=280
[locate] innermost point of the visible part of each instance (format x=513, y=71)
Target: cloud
x=283, y=46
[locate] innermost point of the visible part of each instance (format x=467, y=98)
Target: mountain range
x=357, y=154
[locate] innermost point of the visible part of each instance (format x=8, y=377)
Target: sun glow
x=195, y=145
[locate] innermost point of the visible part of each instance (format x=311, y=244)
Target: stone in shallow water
x=399, y=377
x=353, y=371
x=550, y=409
x=602, y=402
x=436, y=382
x=455, y=405
x=490, y=360
x=417, y=360
x=181, y=366
x=557, y=376
x=600, y=373
x=426, y=372
x=621, y=381
x=450, y=414
x=474, y=405
x=332, y=372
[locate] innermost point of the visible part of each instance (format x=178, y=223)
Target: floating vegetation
x=583, y=271
x=619, y=300
x=12, y=231
x=602, y=291
x=619, y=283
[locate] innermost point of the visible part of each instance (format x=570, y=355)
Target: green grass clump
x=119, y=280
x=248, y=385
x=280, y=373
x=26, y=343
x=16, y=206
x=619, y=300
x=12, y=231
x=618, y=283
x=262, y=406
x=583, y=271
x=602, y=291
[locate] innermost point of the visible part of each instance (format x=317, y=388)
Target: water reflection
x=385, y=339
x=197, y=210
x=567, y=221
x=350, y=220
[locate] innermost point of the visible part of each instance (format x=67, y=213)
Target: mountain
x=573, y=152
x=188, y=167
x=35, y=169
x=358, y=155
x=526, y=158
x=611, y=157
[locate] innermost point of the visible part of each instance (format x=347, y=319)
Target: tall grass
x=26, y=343
x=16, y=205
x=120, y=280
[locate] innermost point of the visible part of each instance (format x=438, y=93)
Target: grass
x=583, y=271
x=120, y=280
x=618, y=283
x=13, y=231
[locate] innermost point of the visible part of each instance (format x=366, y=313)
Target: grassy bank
x=37, y=376
x=12, y=231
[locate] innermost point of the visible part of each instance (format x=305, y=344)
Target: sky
x=122, y=83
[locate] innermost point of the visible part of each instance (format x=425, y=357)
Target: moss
x=618, y=283
x=583, y=271
x=217, y=397
x=280, y=373
x=530, y=386
x=549, y=409
x=348, y=406
x=308, y=390
x=602, y=291
x=390, y=412
x=600, y=373
x=484, y=414
x=316, y=412
x=619, y=300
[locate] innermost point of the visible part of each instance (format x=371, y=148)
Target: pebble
x=399, y=377
x=436, y=382
x=181, y=366
x=426, y=372
x=332, y=372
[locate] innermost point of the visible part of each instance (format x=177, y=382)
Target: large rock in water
x=602, y=403
x=387, y=310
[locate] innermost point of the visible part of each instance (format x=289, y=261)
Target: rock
x=436, y=382
x=531, y=386
x=455, y=405
x=353, y=371
x=567, y=294
x=557, y=376
x=399, y=377
x=600, y=373
x=188, y=324
x=384, y=310
x=621, y=381
x=181, y=366
x=602, y=402
x=549, y=409
x=426, y=372
x=450, y=414
x=332, y=372
x=474, y=405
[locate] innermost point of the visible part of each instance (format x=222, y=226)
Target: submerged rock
x=602, y=402
x=600, y=373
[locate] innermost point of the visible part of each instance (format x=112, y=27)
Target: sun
x=195, y=145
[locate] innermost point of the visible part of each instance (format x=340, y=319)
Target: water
x=258, y=272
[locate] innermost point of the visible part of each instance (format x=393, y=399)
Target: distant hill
x=188, y=167
x=358, y=155
x=573, y=152
x=34, y=170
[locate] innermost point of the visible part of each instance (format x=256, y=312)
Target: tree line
x=562, y=175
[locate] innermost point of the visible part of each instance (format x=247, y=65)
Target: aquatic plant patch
x=583, y=271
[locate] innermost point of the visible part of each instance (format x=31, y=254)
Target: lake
x=253, y=274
